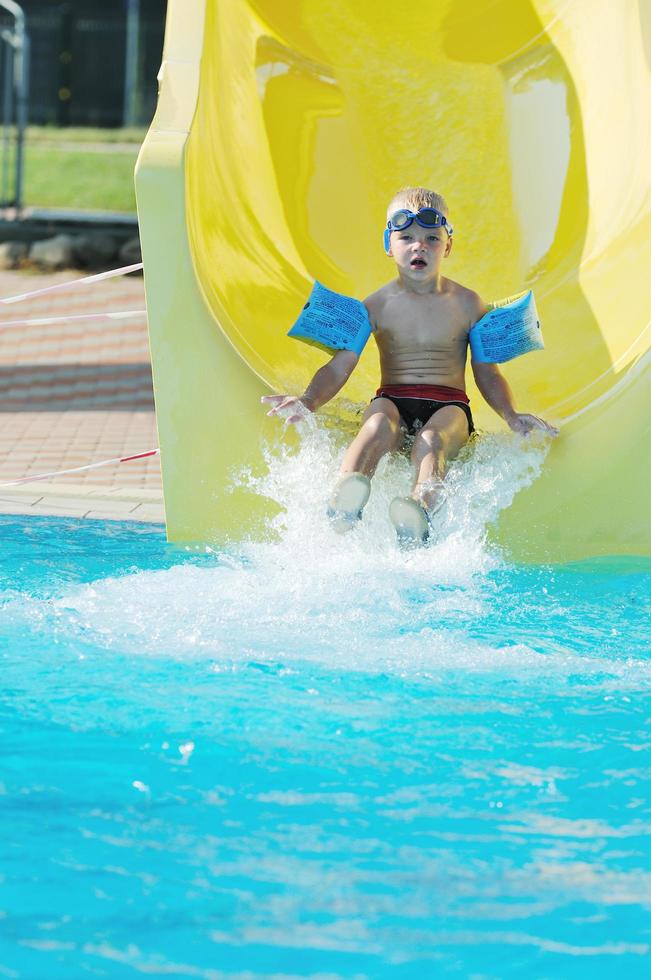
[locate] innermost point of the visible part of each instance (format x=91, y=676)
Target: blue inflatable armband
x=511, y=328
x=332, y=321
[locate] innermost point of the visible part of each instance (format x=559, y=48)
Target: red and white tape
x=46, y=321
x=79, y=469
x=84, y=281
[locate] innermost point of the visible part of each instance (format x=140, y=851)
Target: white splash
x=482, y=482
x=305, y=592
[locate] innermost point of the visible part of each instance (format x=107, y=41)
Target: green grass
x=78, y=168
x=55, y=134
x=57, y=178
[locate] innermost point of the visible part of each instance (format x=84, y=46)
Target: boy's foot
x=410, y=521
x=348, y=500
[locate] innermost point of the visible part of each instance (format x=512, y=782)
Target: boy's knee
x=380, y=424
x=427, y=441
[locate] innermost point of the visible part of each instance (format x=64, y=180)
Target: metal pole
x=19, y=46
x=22, y=113
x=130, y=112
x=7, y=54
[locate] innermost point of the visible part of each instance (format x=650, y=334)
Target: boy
x=420, y=322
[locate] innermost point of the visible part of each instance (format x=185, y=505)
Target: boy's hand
x=523, y=424
x=283, y=404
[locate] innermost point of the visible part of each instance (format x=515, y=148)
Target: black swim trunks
x=416, y=408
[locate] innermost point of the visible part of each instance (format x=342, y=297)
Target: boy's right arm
x=325, y=384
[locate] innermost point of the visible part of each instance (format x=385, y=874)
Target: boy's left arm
x=496, y=390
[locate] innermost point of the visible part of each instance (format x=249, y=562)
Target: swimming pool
x=311, y=756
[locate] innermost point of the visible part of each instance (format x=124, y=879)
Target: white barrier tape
x=45, y=321
x=86, y=280
x=78, y=469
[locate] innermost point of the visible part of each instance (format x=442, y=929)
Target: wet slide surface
x=282, y=131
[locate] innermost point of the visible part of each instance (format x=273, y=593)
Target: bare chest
x=420, y=323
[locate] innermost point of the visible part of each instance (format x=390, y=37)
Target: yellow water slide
x=284, y=127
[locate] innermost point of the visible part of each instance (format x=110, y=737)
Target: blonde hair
x=414, y=198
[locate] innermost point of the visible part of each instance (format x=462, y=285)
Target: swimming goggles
x=425, y=217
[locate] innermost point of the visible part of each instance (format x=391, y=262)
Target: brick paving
x=77, y=393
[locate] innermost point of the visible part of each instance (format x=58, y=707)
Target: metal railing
x=14, y=71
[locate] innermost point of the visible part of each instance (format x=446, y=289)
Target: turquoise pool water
x=318, y=757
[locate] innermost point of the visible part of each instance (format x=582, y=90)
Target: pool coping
x=83, y=501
